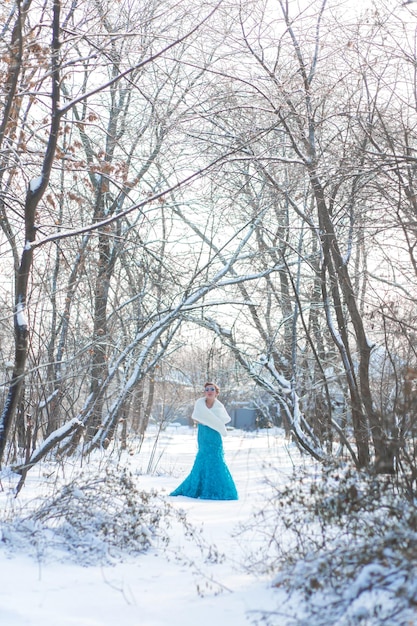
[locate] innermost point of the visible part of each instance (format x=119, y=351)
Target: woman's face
x=210, y=392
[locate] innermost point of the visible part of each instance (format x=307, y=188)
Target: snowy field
x=103, y=544
x=191, y=580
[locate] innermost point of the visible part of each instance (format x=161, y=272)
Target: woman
x=210, y=478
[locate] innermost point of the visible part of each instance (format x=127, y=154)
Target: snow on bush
x=344, y=543
x=89, y=520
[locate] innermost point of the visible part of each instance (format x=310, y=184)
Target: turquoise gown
x=209, y=478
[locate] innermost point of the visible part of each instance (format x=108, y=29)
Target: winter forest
x=216, y=190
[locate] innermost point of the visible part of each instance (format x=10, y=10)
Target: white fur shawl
x=216, y=417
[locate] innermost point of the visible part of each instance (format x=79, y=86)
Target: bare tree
x=305, y=143
x=63, y=69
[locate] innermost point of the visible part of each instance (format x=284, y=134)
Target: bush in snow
x=90, y=519
x=345, y=543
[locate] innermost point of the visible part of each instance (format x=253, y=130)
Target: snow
x=48, y=400
x=35, y=183
x=202, y=575
x=21, y=315
x=166, y=585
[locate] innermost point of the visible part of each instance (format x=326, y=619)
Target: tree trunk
x=34, y=194
x=148, y=407
x=361, y=396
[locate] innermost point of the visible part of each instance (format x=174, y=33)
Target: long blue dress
x=209, y=478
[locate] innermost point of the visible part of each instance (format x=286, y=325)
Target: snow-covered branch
x=49, y=443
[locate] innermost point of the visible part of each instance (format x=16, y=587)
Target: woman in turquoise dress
x=209, y=478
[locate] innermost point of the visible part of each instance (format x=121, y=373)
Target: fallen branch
x=49, y=443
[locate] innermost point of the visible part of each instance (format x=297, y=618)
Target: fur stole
x=215, y=418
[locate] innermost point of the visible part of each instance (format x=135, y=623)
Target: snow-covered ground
x=189, y=581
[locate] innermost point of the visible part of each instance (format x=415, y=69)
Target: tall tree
x=83, y=68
